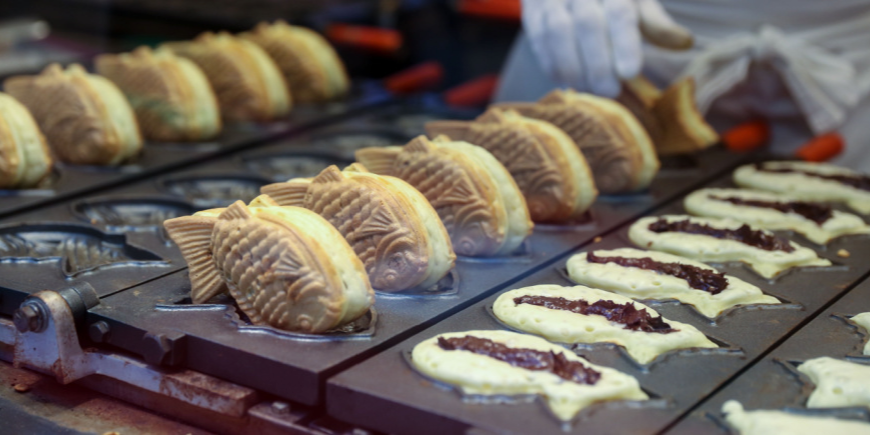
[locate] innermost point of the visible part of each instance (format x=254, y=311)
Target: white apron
x=803, y=64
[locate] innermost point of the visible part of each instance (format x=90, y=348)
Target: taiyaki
x=618, y=149
x=312, y=69
x=765, y=422
x=24, y=157
x=247, y=83
x=170, y=94
x=863, y=320
x=503, y=363
x=650, y=275
x=722, y=240
x=84, y=117
x=773, y=211
x=639, y=96
x=390, y=225
x=809, y=181
x=286, y=267
x=838, y=384
x=684, y=129
x=585, y=315
x=546, y=164
x=475, y=196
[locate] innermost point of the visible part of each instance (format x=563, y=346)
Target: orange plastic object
x=368, y=38
x=747, y=136
x=474, y=93
x=499, y=9
x=417, y=78
x=822, y=148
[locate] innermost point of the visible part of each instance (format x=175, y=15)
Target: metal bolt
x=30, y=317
x=156, y=348
x=99, y=331
x=281, y=407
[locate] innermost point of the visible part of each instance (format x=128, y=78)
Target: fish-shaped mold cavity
x=809, y=181
x=545, y=163
x=838, y=383
x=817, y=221
x=504, y=363
x=585, y=315
x=475, y=196
x=650, y=275
x=286, y=267
x=764, y=422
x=722, y=240
x=617, y=147
x=390, y=225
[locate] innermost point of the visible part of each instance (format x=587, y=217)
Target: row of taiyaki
x=181, y=91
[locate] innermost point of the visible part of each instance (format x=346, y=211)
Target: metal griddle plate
x=209, y=339
x=156, y=157
x=386, y=385
x=773, y=383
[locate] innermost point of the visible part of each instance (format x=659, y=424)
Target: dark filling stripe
x=744, y=234
x=815, y=212
x=625, y=314
x=697, y=278
x=529, y=359
x=861, y=182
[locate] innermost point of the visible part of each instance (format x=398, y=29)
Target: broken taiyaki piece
x=503, y=363
x=817, y=221
x=286, y=267
x=838, y=383
x=722, y=240
x=390, y=225
x=545, y=163
x=617, y=147
x=765, y=422
x=651, y=275
x=475, y=196
x=581, y=314
x=683, y=128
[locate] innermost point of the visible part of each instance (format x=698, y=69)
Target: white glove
x=590, y=45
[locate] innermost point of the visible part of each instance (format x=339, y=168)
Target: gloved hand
x=590, y=45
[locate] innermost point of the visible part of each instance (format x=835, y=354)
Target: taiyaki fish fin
x=356, y=167
x=192, y=234
x=237, y=210
x=421, y=144
x=264, y=201
x=456, y=130
x=379, y=160
x=458, y=193
x=520, y=108
x=493, y=115
x=379, y=222
x=556, y=96
x=290, y=193
x=329, y=175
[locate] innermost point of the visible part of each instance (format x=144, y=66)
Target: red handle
x=822, y=148
x=474, y=93
x=368, y=38
x=499, y=9
x=747, y=136
x=417, y=78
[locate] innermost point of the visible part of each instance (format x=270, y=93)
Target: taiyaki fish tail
x=288, y=193
x=192, y=234
x=379, y=160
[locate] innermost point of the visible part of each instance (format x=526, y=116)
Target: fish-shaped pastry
x=838, y=383
x=617, y=147
x=722, y=240
x=503, y=363
x=651, y=275
x=286, y=267
x=475, y=196
x=809, y=181
x=863, y=320
x=683, y=128
x=545, y=163
x=817, y=221
x=586, y=315
x=766, y=422
x=25, y=160
x=390, y=225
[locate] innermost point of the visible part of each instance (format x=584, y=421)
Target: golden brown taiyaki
x=170, y=94
x=286, y=267
x=545, y=163
x=313, y=70
x=24, y=157
x=684, y=129
x=85, y=117
x=390, y=225
x=617, y=147
x=248, y=84
x=475, y=196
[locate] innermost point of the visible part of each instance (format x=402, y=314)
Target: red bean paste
x=861, y=182
x=529, y=359
x=626, y=314
x=700, y=279
x=815, y=212
x=744, y=234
